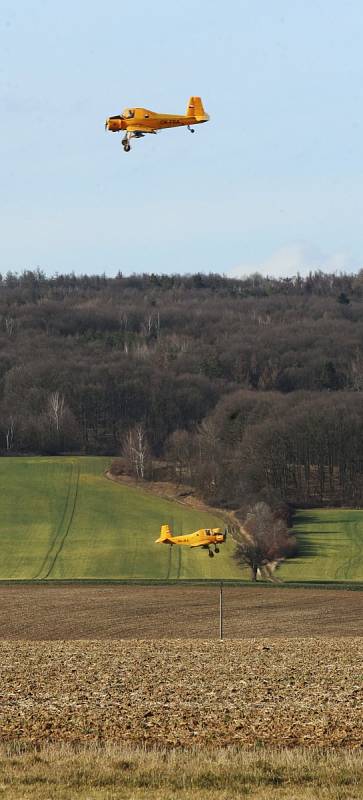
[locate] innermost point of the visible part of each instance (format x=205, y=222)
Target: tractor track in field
x=63, y=527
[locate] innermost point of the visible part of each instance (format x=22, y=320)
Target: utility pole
x=221, y=611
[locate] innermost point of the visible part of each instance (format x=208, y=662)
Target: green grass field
x=62, y=519
x=331, y=546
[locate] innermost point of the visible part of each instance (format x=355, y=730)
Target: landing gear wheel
x=216, y=549
x=211, y=555
x=127, y=147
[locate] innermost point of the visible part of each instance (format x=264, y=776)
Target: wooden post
x=221, y=611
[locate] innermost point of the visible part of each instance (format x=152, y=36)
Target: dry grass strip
x=60, y=772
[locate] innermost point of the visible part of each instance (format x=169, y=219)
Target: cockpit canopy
x=128, y=113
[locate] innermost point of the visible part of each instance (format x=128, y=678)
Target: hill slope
x=62, y=519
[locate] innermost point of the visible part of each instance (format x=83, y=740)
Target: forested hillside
x=247, y=387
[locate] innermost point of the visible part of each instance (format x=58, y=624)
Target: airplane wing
x=201, y=542
x=139, y=131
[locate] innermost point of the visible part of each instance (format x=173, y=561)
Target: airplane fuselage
x=202, y=537
x=148, y=121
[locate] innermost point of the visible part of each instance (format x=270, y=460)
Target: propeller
x=117, y=116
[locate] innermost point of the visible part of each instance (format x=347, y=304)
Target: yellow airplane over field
x=205, y=537
x=138, y=121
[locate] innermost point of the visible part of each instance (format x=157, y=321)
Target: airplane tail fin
x=165, y=534
x=195, y=109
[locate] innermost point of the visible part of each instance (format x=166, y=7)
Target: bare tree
x=151, y=324
x=267, y=541
x=207, y=465
x=10, y=325
x=357, y=370
x=56, y=409
x=136, y=450
x=180, y=449
x=10, y=431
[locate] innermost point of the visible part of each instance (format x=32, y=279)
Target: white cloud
x=296, y=258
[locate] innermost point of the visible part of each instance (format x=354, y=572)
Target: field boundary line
x=348, y=586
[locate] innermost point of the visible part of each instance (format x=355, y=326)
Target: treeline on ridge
x=250, y=388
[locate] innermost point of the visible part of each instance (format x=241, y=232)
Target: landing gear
x=210, y=553
x=216, y=549
x=126, y=144
x=191, y=129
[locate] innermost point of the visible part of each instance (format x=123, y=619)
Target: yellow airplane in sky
x=205, y=537
x=136, y=122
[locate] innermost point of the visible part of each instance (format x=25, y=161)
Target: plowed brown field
x=143, y=665
x=172, y=612
x=278, y=692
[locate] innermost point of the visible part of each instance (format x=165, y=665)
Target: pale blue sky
x=273, y=182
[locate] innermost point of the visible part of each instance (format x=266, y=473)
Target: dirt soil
x=280, y=692
x=49, y=612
